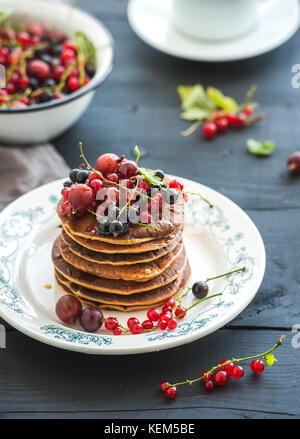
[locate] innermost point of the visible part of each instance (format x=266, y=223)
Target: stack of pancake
x=138, y=270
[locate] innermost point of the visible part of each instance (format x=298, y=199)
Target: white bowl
x=43, y=122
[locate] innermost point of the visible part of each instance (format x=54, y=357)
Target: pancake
x=104, y=300
x=87, y=226
x=117, y=259
x=112, y=285
x=104, y=247
x=135, y=272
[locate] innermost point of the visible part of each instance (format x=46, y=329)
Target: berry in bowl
x=54, y=56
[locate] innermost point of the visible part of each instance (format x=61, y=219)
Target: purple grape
x=91, y=319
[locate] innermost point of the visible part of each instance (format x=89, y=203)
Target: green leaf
x=270, y=359
x=5, y=14
x=265, y=147
x=227, y=103
x=86, y=47
x=195, y=114
x=150, y=176
x=195, y=97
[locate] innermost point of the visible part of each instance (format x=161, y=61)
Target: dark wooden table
x=138, y=104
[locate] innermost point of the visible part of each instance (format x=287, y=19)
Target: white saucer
x=279, y=20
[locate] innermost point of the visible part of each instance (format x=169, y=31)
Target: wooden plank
x=37, y=378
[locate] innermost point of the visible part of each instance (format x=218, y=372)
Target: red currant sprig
x=219, y=374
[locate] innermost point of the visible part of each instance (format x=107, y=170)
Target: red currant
x=223, y=367
x=96, y=185
x=147, y=324
x=24, y=38
x=68, y=44
x=164, y=385
x=73, y=84
x=153, y=314
x=111, y=323
x=175, y=184
x=166, y=309
x=222, y=125
x=58, y=72
x=144, y=185
x=10, y=88
x=171, y=392
x=132, y=321
x=117, y=331
x=257, y=366
x=93, y=176
x=166, y=316
x=209, y=386
x=114, y=178
x=36, y=29
x=207, y=377
x=24, y=81
x=248, y=111
x=209, y=130
x=15, y=78
x=180, y=312
x=237, y=372
x=162, y=324
x=220, y=378
x=67, y=56
x=137, y=328
x=170, y=303
x=172, y=324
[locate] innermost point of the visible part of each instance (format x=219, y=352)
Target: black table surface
x=138, y=104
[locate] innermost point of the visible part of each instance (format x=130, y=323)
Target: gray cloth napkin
x=25, y=168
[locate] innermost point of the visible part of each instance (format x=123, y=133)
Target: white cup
x=214, y=19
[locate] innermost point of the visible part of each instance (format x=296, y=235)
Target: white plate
x=217, y=239
x=150, y=20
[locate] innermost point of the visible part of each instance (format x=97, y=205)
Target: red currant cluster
x=117, y=193
x=220, y=374
x=221, y=121
x=40, y=66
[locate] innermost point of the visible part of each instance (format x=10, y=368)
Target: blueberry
x=68, y=183
x=46, y=96
x=118, y=228
x=49, y=83
x=47, y=59
x=133, y=214
x=82, y=176
x=170, y=196
x=73, y=174
x=200, y=289
x=90, y=70
x=159, y=173
x=103, y=227
x=56, y=50
x=33, y=84
x=40, y=52
x=113, y=213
